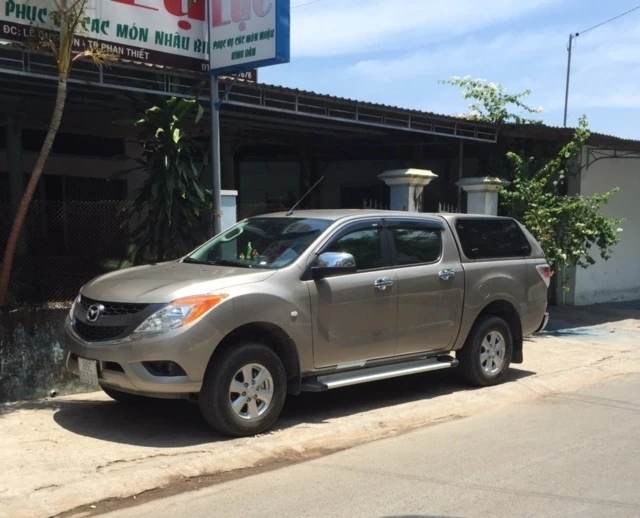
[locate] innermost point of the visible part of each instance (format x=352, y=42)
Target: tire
x=478, y=369
x=231, y=371
x=125, y=398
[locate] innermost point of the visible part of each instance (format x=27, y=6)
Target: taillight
x=545, y=272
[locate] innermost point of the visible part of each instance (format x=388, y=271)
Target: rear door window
x=415, y=243
x=492, y=238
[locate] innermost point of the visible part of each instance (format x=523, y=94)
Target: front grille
x=113, y=309
x=98, y=333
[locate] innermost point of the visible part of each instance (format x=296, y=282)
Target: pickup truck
x=312, y=301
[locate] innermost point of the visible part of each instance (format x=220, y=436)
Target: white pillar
x=406, y=187
x=482, y=194
x=229, y=208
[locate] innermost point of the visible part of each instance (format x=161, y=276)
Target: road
x=572, y=454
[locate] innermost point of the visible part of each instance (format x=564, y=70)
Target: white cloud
x=342, y=27
x=503, y=50
x=605, y=68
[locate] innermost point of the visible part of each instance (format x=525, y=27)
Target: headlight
x=73, y=307
x=179, y=313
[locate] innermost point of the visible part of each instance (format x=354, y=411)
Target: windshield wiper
x=216, y=262
x=226, y=262
x=189, y=260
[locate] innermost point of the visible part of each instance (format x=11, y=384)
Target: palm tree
x=69, y=16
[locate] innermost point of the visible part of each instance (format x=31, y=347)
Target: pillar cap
x=482, y=184
x=414, y=177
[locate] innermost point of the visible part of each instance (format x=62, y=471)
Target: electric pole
x=566, y=93
x=572, y=37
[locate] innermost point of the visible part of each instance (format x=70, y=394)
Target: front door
x=430, y=285
x=354, y=315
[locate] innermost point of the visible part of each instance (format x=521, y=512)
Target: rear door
x=430, y=284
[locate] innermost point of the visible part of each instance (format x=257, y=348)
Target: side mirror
x=334, y=263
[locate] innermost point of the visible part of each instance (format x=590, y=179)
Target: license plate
x=88, y=371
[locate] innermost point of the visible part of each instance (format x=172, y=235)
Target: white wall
x=619, y=278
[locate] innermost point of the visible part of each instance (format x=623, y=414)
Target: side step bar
x=365, y=375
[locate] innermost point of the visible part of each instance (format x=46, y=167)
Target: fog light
x=165, y=369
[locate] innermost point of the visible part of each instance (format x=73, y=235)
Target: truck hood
x=165, y=282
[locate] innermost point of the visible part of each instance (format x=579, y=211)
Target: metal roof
x=339, y=214
x=560, y=133
x=279, y=99
x=248, y=95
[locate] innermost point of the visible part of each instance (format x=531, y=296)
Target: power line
x=608, y=21
x=309, y=3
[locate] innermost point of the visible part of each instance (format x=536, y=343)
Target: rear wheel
x=243, y=390
x=486, y=356
x=125, y=398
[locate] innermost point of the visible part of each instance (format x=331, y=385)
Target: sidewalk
x=65, y=453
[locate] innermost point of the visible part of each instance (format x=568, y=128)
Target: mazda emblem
x=94, y=312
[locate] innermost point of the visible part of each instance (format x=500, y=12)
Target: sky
x=395, y=51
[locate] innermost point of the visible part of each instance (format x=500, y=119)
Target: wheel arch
x=507, y=311
x=273, y=337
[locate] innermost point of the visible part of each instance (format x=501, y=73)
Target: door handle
x=383, y=284
x=445, y=275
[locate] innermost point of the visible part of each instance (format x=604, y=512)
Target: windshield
x=261, y=243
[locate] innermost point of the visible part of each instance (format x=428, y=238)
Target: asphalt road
x=573, y=454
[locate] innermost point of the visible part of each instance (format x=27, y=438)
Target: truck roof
x=337, y=214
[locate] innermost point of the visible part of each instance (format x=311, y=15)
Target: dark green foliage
x=169, y=208
x=567, y=227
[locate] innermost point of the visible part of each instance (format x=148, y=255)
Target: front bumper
x=120, y=365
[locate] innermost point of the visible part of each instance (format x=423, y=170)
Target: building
x=276, y=143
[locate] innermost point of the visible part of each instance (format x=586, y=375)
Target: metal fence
x=374, y=204
x=447, y=207
x=64, y=245
x=249, y=210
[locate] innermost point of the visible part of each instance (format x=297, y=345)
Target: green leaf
x=200, y=114
x=198, y=190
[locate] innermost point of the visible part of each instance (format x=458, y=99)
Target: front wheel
x=486, y=355
x=243, y=390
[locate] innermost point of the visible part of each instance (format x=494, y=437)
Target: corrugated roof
x=543, y=131
x=347, y=100
x=548, y=132
x=525, y=130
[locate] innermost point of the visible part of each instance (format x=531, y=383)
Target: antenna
x=305, y=195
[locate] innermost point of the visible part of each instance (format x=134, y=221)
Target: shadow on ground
x=563, y=319
x=175, y=424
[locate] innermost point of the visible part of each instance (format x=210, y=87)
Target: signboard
x=249, y=33
x=170, y=33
